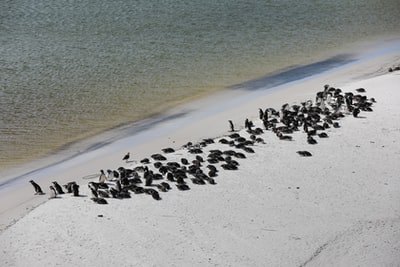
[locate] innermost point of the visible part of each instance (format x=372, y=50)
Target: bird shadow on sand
x=57, y=197
x=81, y=196
x=62, y=197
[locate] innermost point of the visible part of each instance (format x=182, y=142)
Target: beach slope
x=340, y=207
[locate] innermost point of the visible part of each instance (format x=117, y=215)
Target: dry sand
x=340, y=207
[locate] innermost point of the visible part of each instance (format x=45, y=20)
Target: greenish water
x=72, y=69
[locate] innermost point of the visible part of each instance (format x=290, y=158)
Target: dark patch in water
x=148, y=124
x=295, y=73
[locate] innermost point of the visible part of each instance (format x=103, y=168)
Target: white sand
x=340, y=207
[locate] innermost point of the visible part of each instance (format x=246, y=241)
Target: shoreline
x=314, y=210
x=271, y=81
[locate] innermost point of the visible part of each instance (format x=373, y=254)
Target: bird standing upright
x=75, y=190
x=231, y=126
x=53, y=192
x=102, y=178
x=58, y=188
x=126, y=157
x=38, y=190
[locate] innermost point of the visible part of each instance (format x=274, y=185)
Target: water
x=72, y=69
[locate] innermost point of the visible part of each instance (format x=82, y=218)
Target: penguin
x=158, y=157
x=199, y=158
x=163, y=170
x=168, y=150
x=198, y=181
x=53, y=192
x=161, y=188
x=148, y=178
x=58, y=188
x=248, y=124
x=75, y=190
x=103, y=193
x=231, y=126
x=126, y=157
x=102, y=178
x=93, y=185
x=240, y=155
x=304, y=153
x=260, y=114
x=155, y=195
x=305, y=126
x=266, y=124
x=323, y=135
x=94, y=192
x=165, y=185
x=170, y=177
x=124, y=194
x=283, y=137
x=229, y=166
x=114, y=192
x=182, y=187
x=157, y=164
x=356, y=111
x=110, y=175
x=68, y=187
x=210, y=180
x=99, y=200
x=179, y=180
x=248, y=149
x=118, y=186
x=311, y=140
x=38, y=190
x=212, y=173
x=145, y=161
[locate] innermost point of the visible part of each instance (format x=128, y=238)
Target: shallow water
x=72, y=69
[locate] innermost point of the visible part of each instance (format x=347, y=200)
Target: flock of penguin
x=56, y=189
x=157, y=174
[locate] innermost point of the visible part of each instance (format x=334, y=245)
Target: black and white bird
x=126, y=157
x=53, y=192
x=38, y=190
x=356, y=111
x=103, y=177
x=58, y=188
x=75, y=190
x=231, y=126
